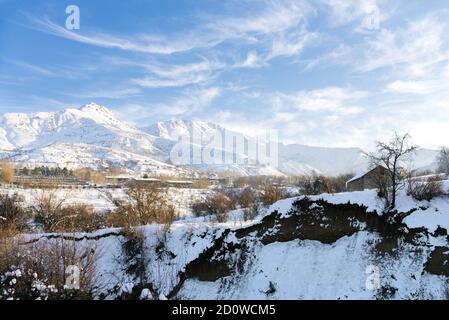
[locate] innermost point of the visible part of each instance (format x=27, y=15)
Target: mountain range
x=93, y=136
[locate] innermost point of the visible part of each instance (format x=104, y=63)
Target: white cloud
x=413, y=87
x=137, y=43
x=276, y=16
x=190, y=102
x=368, y=14
x=179, y=75
x=417, y=49
x=333, y=99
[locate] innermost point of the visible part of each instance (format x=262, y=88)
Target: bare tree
x=392, y=156
x=443, y=160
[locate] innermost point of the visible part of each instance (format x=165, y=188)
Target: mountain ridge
x=93, y=136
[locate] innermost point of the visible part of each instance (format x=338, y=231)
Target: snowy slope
x=89, y=136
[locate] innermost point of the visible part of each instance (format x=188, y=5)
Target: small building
x=369, y=180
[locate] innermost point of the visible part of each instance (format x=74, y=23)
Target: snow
x=437, y=215
x=295, y=269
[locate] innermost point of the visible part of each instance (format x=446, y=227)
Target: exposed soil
x=312, y=220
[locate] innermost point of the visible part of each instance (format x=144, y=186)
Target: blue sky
x=324, y=72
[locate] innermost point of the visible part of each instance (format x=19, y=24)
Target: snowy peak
x=100, y=115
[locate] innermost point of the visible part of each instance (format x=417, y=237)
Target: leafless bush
x=219, y=204
x=146, y=204
x=247, y=197
x=40, y=270
x=53, y=215
x=79, y=217
x=426, y=189
x=200, y=207
x=13, y=217
x=271, y=194
x=313, y=185
x=248, y=201
x=46, y=208
x=201, y=184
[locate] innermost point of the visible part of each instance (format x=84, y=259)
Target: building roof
x=362, y=175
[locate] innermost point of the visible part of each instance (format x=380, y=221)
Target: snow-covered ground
x=295, y=269
x=101, y=198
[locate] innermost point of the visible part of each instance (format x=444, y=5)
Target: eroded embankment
x=312, y=220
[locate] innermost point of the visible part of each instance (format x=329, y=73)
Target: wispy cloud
x=36, y=69
x=190, y=102
x=330, y=99
x=137, y=43
x=163, y=75
x=417, y=48
x=109, y=93
x=366, y=14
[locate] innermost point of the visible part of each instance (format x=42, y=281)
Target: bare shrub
x=426, y=189
x=13, y=216
x=7, y=171
x=47, y=205
x=219, y=204
x=40, y=270
x=79, y=217
x=53, y=214
x=247, y=197
x=145, y=204
x=313, y=185
x=200, y=208
x=248, y=201
x=271, y=194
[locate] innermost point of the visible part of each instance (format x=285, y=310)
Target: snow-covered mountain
x=89, y=136
x=201, y=134
x=94, y=136
x=294, y=159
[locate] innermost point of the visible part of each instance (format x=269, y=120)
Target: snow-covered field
x=101, y=198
